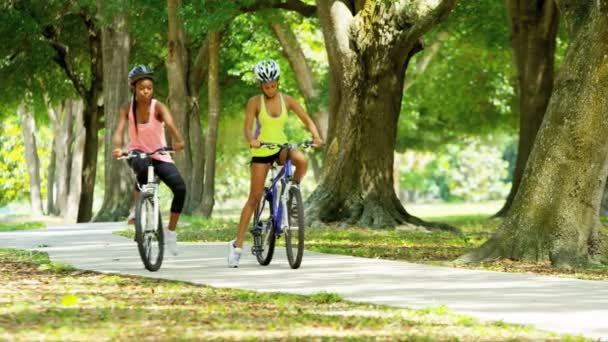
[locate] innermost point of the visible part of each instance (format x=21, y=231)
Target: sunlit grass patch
x=41, y=304
x=13, y=226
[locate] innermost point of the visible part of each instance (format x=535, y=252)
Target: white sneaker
x=171, y=241
x=234, y=254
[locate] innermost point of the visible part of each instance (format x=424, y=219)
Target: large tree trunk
x=92, y=112
x=212, y=123
x=64, y=133
x=369, y=46
x=77, y=159
x=55, y=115
x=31, y=157
x=555, y=212
x=197, y=76
x=533, y=28
x=118, y=178
x=90, y=92
x=50, y=184
x=183, y=103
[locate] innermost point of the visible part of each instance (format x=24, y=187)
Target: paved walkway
x=549, y=303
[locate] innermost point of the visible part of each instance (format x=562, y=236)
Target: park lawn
x=436, y=248
x=40, y=300
x=12, y=226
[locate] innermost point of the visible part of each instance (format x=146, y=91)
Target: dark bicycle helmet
x=267, y=70
x=140, y=72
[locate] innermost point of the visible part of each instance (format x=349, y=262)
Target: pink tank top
x=150, y=136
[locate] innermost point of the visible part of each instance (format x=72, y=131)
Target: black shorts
x=266, y=159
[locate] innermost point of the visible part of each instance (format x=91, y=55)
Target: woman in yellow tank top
x=267, y=113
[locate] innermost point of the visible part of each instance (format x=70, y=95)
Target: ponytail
x=134, y=110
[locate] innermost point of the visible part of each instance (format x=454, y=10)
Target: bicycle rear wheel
x=149, y=234
x=294, y=233
x=263, y=232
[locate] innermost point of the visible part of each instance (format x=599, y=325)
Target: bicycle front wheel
x=148, y=234
x=263, y=233
x=294, y=233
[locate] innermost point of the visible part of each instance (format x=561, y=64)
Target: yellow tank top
x=270, y=129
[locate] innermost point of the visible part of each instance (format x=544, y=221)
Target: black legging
x=168, y=173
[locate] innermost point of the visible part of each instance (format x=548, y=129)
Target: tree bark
x=604, y=205
x=55, y=115
x=31, y=157
x=77, y=160
x=554, y=214
x=92, y=113
x=212, y=123
x=50, y=184
x=533, y=29
x=369, y=46
x=183, y=103
x=118, y=178
x=64, y=133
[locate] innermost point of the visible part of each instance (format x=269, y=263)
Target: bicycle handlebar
x=305, y=144
x=133, y=154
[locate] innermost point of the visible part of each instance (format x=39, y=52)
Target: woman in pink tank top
x=147, y=119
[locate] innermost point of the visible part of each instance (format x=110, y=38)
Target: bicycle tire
x=294, y=238
x=264, y=243
x=148, y=237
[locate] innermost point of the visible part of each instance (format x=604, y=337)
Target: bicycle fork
x=282, y=220
x=155, y=197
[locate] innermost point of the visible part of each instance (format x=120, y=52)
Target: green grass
x=48, y=303
x=436, y=247
x=12, y=226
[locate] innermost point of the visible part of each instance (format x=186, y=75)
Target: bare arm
x=165, y=115
x=118, y=132
x=292, y=104
x=250, y=112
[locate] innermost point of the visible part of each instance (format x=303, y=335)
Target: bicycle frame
x=278, y=203
x=152, y=188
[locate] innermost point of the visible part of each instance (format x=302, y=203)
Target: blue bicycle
x=280, y=211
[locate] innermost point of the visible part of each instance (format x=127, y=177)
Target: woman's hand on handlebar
x=116, y=153
x=178, y=146
x=255, y=143
x=317, y=142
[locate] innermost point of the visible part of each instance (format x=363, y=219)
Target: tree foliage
x=467, y=89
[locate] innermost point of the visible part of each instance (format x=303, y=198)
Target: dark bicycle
x=280, y=211
x=148, y=222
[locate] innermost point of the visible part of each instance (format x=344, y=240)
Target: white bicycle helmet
x=267, y=70
x=140, y=72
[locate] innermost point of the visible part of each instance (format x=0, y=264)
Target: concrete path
x=560, y=305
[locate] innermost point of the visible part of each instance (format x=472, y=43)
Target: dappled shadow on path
x=556, y=304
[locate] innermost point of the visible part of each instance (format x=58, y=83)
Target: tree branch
x=199, y=70
x=342, y=19
x=549, y=17
x=425, y=60
x=290, y=5
x=62, y=58
x=429, y=19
